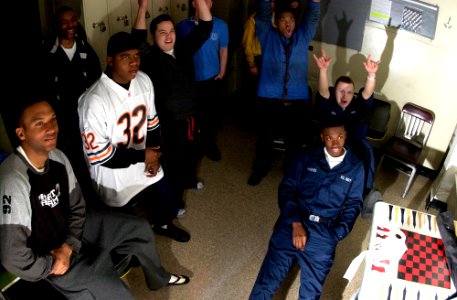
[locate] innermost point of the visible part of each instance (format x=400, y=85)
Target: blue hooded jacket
x=274, y=81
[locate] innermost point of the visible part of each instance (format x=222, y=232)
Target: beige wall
x=414, y=69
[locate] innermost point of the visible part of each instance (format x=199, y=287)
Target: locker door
x=179, y=10
x=149, y=17
x=119, y=16
x=160, y=7
x=95, y=15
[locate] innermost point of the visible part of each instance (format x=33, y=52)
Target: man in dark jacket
x=169, y=64
x=71, y=66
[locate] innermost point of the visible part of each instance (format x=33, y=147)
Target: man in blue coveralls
x=320, y=199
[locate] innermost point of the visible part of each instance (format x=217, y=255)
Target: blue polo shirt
x=206, y=59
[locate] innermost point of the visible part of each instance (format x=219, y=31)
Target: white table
x=391, y=260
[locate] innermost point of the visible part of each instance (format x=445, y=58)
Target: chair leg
x=381, y=160
x=410, y=181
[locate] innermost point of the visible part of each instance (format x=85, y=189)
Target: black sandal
x=180, y=280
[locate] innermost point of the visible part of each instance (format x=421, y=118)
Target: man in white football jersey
x=121, y=133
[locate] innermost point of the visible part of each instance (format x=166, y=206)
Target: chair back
x=377, y=119
x=415, y=124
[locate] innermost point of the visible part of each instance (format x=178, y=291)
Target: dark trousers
x=181, y=155
x=315, y=261
x=156, y=203
x=70, y=142
x=209, y=98
x=278, y=119
x=92, y=274
x=364, y=151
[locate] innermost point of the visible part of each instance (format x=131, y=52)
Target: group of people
x=132, y=136
x=129, y=140
x=323, y=190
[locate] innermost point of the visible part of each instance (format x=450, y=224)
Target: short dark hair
x=25, y=103
x=345, y=79
x=159, y=19
x=282, y=7
x=61, y=10
x=330, y=122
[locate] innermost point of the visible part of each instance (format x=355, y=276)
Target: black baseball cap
x=120, y=42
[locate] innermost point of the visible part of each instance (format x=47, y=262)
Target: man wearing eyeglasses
x=121, y=135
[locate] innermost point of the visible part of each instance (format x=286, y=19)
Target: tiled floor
x=231, y=223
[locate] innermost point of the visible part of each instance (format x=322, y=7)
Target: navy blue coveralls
x=312, y=189
x=354, y=117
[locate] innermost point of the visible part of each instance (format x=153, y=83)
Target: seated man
x=341, y=102
x=121, y=132
x=46, y=233
x=320, y=200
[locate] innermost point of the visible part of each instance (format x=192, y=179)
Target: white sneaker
x=181, y=213
x=199, y=186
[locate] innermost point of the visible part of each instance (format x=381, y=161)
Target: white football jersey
x=111, y=117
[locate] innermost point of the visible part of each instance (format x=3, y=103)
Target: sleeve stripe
x=101, y=156
x=153, y=123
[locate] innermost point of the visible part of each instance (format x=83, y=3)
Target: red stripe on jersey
x=100, y=156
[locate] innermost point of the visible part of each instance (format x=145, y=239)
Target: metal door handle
x=101, y=25
x=125, y=19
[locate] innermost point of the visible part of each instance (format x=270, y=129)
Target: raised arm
x=370, y=83
x=310, y=19
x=322, y=63
x=202, y=10
x=140, y=21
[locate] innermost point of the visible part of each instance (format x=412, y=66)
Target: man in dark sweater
x=169, y=63
x=70, y=66
x=46, y=231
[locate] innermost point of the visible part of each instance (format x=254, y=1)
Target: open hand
x=371, y=66
x=322, y=62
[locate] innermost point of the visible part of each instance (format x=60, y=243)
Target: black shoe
x=213, y=153
x=255, y=178
x=173, y=232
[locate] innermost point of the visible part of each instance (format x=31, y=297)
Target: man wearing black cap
x=121, y=133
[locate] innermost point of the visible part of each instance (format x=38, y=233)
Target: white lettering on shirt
x=346, y=178
x=51, y=199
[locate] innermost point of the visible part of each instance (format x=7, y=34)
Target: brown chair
x=407, y=146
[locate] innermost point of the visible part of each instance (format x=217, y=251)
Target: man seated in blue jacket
x=320, y=199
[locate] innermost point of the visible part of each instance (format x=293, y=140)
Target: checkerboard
x=405, y=258
x=424, y=261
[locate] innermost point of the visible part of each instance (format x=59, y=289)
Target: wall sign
x=410, y=15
